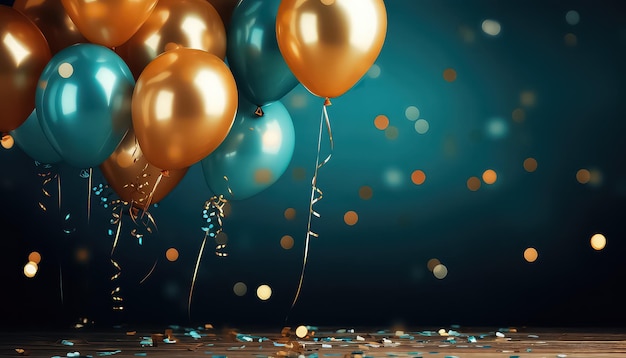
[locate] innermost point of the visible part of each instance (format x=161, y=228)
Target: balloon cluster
x=145, y=89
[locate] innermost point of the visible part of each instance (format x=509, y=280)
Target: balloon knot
x=259, y=111
x=165, y=173
x=327, y=102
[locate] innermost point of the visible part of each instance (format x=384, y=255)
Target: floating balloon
x=134, y=179
x=53, y=21
x=24, y=53
x=254, y=155
x=187, y=23
x=108, y=23
x=330, y=44
x=184, y=104
x=253, y=55
x=84, y=103
x=31, y=139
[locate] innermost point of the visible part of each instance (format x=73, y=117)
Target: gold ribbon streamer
x=117, y=299
x=316, y=193
x=89, y=194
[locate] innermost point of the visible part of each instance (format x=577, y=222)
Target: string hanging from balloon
x=48, y=176
x=88, y=174
x=316, y=192
x=212, y=214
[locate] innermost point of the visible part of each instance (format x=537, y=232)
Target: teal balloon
x=252, y=52
x=83, y=102
x=255, y=153
x=31, y=139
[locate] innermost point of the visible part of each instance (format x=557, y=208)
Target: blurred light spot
x=374, y=71
x=298, y=173
x=530, y=164
x=366, y=192
x=530, y=254
x=240, y=289
x=491, y=27
x=432, y=263
x=473, y=183
x=421, y=126
x=598, y=241
x=393, y=177
x=440, y=271
x=30, y=269
x=449, y=74
x=412, y=113
x=286, y=242
x=302, y=331
x=171, y=254
x=528, y=98
x=497, y=128
x=391, y=132
x=66, y=70
x=350, y=217
x=595, y=177
x=572, y=17
x=262, y=176
x=518, y=115
x=7, y=141
x=570, y=39
x=467, y=34
x=418, y=177
x=490, y=176
x=221, y=238
x=82, y=255
x=298, y=101
x=34, y=257
x=290, y=213
x=381, y=122
x=583, y=176
x=227, y=209
x=264, y=292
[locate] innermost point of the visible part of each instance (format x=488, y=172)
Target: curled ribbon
x=316, y=193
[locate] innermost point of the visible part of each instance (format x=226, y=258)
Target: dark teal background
x=375, y=272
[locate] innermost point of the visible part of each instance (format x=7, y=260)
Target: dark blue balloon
x=253, y=55
x=31, y=139
x=83, y=102
x=254, y=155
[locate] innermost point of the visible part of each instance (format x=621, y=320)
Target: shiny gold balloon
x=225, y=9
x=330, y=44
x=51, y=18
x=24, y=53
x=108, y=23
x=188, y=23
x=183, y=106
x=134, y=179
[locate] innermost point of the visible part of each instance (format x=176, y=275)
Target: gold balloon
x=24, y=53
x=55, y=24
x=225, y=9
x=108, y=23
x=183, y=106
x=134, y=179
x=188, y=23
x=330, y=44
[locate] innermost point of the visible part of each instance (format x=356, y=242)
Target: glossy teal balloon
x=31, y=139
x=254, y=155
x=253, y=55
x=83, y=102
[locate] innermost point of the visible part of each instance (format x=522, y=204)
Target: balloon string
x=195, y=273
x=59, y=188
x=115, y=296
x=156, y=184
x=149, y=272
x=61, y=283
x=89, y=195
x=315, y=190
x=117, y=231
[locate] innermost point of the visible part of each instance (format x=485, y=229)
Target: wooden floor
x=433, y=342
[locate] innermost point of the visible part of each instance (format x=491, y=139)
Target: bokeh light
x=34, y=257
x=263, y=176
x=518, y=115
x=221, y=238
x=290, y=213
x=412, y=113
x=30, y=269
x=449, y=74
x=491, y=27
x=393, y=177
x=598, y=242
x=497, y=128
x=374, y=71
x=490, y=176
x=528, y=98
x=264, y=292
x=473, y=183
x=418, y=177
x=422, y=126
x=531, y=254
x=391, y=133
x=572, y=17
x=351, y=218
x=171, y=254
x=366, y=192
x=302, y=331
x=583, y=176
x=440, y=271
x=432, y=263
x=530, y=164
x=82, y=255
x=286, y=242
x=381, y=122
x=298, y=173
x=570, y=39
x=240, y=289
x=7, y=141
